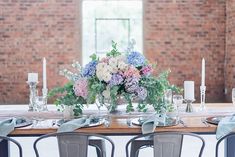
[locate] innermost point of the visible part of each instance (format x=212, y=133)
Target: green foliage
x=67, y=97
x=156, y=87
x=114, y=52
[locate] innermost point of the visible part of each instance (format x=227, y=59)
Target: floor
x=50, y=148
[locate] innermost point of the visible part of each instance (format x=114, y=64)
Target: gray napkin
x=74, y=124
x=7, y=126
x=150, y=124
x=225, y=126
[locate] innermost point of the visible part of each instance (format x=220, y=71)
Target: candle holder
x=203, y=98
x=33, y=94
x=189, y=107
x=44, y=94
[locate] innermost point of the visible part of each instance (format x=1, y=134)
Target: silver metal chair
x=8, y=139
x=231, y=135
x=165, y=144
x=73, y=144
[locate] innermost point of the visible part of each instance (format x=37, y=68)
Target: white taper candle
x=203, y=73
x=44, y=73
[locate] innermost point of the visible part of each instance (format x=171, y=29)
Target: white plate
x=169, y=122
x=92, y=124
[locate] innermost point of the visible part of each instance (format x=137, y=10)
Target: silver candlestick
x=203, y=98
x=189, y=107
x=44, y=94
x=33, y=94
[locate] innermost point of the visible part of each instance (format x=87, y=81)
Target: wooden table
x=118, y=125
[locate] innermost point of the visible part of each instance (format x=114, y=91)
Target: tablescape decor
x=74, y=124
x=7, y=125
x=203, y=88
x=214, y=119
x=189, y=95
x=177, y=101
x=44, y=88
x=68, y=112
x=233, y=96
x=116, y=78
x=32, y=82
x=226, y=125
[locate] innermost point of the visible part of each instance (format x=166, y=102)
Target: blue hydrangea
x=116, y=79
x=136, y=59
x=89, y=69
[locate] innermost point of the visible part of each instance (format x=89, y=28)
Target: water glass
x=40, y=103
x=233, y=96
x=168, y=96
x=177, y=101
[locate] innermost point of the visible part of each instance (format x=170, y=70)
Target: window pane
x=104, y=21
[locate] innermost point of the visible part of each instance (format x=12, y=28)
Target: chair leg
x=136, y=145
x=101, y=146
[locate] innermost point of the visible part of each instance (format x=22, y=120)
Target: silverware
x=128, y=122
x=53, y=122
x=182, y=122
x=203, y=120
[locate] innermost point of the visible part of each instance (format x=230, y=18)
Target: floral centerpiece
x=126, y=76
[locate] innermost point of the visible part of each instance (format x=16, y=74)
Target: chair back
x=8, y=139
x=166, y=144
x=73, y=144
x=231, y=135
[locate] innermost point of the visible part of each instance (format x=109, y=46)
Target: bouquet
x=127, y=76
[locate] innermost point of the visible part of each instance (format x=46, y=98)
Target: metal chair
x=8, y=139
x=231, y=135
x=73, y=144
x=165, y=144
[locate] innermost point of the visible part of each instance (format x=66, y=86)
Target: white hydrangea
x=113, y=63
x=103, y=72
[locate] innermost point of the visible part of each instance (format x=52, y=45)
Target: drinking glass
x=177, y=101
x=40, y=103
x=233, y=96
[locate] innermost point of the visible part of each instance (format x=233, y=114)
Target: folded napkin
x=7, y=126
x=150, y=124
x=74, y=124
x=225, y=126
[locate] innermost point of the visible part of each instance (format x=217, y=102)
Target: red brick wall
x=29, y=31
x=176, y=36
x=230, y=48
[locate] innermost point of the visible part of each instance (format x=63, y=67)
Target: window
x=107, y=20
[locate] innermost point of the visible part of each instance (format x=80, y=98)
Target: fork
x=203, y=120
x=182, y=122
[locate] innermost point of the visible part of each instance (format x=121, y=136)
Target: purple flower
x=116, y=79
x=89, y=69
x=136, y=59
x=141, y=93
x=131, y=84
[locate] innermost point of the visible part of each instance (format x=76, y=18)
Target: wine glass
x=177, y=101
x=233, y=96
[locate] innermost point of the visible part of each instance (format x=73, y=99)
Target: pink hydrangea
x=105, y=60
x=81, y=88
x=132, y=72
x=146, y=70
